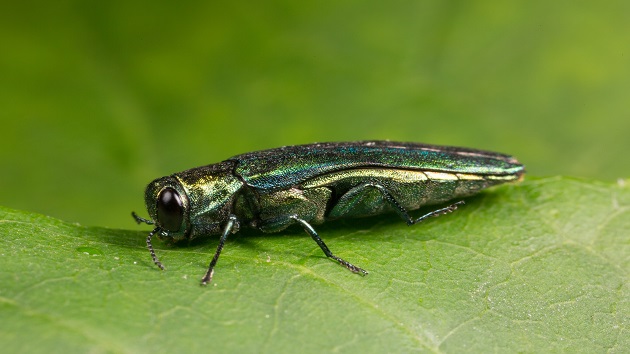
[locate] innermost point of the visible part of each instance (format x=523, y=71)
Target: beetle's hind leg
x=311, y=231
x=403, y=212
x=352, y=200
x=448, y=209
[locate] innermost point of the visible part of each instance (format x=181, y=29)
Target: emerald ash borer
x=271, y=190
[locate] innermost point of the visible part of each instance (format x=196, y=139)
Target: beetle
x=270, y=190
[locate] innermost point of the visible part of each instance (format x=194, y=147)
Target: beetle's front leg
x=311, y=231
x=231, y=225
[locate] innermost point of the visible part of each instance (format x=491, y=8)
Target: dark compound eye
x=170, y=212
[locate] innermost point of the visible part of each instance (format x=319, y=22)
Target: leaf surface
x=539, y=266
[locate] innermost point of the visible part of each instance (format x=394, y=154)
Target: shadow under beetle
x=272, y=189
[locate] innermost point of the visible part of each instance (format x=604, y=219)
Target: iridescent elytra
x=270, y=190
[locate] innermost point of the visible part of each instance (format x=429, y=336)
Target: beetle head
x=169, y=207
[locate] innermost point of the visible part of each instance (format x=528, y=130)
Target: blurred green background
x=99, y=98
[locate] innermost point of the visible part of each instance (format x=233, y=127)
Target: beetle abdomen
x=355, y=193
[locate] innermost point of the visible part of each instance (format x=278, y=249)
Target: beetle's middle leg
x=352, y=199
x=282, y=208
x=311, y=231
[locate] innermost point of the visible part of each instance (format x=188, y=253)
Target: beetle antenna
x=141, y=220
x=150, y=246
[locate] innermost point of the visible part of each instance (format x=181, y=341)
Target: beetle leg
x=448, y=209
x=231, y=225
x=403, y=212
x=311, y=231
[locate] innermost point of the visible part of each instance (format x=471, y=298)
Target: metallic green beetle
x=272, y=189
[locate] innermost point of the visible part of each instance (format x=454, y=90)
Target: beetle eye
x=170, y=212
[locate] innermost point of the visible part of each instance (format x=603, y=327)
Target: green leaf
x=539, y=266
